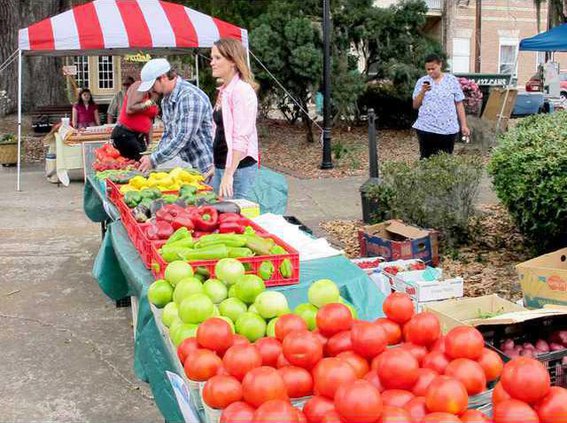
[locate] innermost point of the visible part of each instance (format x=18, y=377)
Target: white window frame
x=83, y=68
x=105, y=72
x=454, y=55
x=508, y=42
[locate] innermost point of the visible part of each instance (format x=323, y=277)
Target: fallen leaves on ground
x=486, y=264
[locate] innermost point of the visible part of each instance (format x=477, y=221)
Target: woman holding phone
x=439, y=98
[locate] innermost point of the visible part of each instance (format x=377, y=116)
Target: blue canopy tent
x=553, y=40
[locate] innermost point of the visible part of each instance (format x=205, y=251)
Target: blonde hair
x=233, y=50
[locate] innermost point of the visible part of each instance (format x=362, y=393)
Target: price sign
x=70, y=70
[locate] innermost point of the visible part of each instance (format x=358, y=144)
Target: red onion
x=542, y=346
x=527, y=353
x=508, y=344
x=528, y=346
x=559, y=337
x=512, y=353
x=556, y=347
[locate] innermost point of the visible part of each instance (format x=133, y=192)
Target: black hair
x=85, y=90
x=433, y=58
x=128, y=80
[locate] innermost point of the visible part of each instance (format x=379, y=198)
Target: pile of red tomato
x=395, y=369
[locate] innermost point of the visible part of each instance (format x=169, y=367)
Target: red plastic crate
x=158, y=265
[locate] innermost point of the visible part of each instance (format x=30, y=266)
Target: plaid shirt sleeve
x=186, y=118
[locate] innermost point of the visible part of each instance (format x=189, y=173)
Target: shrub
x=473, y=96
x=437, y=193
x=393, y=110
x=529, y=170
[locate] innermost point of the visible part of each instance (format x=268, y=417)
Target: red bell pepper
x=163, y=214
x=231, y=228
x=230, y=217
x=164, y=230
x=183, y=219
x=206, y=219
x=151, y=233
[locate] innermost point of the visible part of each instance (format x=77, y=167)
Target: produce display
x=167, y=181
x=109, y=158
x=321, y=364
x=557, y=341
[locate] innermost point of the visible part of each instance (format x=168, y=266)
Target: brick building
x=503, y=24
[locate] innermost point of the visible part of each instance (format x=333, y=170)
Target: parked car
x=535, y=84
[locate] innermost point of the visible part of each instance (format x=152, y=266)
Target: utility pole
x=477, y=36
x=327, y=162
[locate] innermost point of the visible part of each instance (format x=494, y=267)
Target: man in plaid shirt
x=187, y=116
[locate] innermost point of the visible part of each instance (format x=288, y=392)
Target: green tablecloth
x=120, y=272
x=96, y=205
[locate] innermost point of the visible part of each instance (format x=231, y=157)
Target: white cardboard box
x=423, y=291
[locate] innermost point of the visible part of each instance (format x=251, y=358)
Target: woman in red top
x=85, y=111
x=133, y=133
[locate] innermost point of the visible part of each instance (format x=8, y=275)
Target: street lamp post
x=327, y=162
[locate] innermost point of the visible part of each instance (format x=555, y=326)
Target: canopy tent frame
x=44, y=37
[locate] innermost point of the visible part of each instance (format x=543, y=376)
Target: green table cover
x=95, y=203
x=120, y=272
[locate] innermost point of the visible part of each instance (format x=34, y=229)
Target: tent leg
x=18, y=187
x=197, y=68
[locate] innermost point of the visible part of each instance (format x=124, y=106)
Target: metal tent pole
x=18, y=187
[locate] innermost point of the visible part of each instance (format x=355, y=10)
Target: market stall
x=117, y=27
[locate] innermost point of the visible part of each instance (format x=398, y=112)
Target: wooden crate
x=9, y=153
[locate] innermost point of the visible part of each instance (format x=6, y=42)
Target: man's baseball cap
x=151, y=71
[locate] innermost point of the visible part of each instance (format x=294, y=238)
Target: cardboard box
x=544, y=279
x=468, y=311
x=248, y=208
x=395, y=240
x=423, y=290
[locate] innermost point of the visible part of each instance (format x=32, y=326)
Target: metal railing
x=434, y=4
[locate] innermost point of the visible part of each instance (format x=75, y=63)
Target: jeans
x=242, y=182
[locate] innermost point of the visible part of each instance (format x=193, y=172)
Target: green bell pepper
x=132, y=198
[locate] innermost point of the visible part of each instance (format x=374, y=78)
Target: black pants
x=129, y=143
x=431, y=143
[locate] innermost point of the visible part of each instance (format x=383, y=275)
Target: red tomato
x=514, y=411
x=358, y=363
x=201, y=365
x=329, y=374
x=368, y=339
x=263, y=384
x=316, y=407
x=215, y=334
x=358, y=402
x=464, y=342
x=499, y=394
x=338, y=343
x=321, y=337
x=394, y=415
x=438, y=417
x=302, y=349
x=491, y=363
x=474, y=416
x=396, y=397
x=288, y=323
x=435, y=360
x=301, y=417
x=187, y=346
x=270, y=349
x=398, y=307
x=418, y=351
x=221, y=391
x=397, y=369
x=333, y=318
x=282, y=361
x=392, y=329
x=423, y=329
x=469, y=373
x=553, y=407
x=416, y=409
x=239, y=340
x=276, y=410
x=240, y=359
x=332, y=417
x=424, y=378
x=522, y=372
x=446, y=394
x=374, y=379
x=298, y=381
x=439, y=345
x=237, y=412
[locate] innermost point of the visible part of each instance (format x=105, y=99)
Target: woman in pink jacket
x=235, y=146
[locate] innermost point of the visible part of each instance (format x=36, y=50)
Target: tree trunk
x=43, y=82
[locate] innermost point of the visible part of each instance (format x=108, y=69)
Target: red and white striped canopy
x=120, y=26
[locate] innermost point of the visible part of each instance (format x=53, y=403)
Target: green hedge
x=529, y=170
